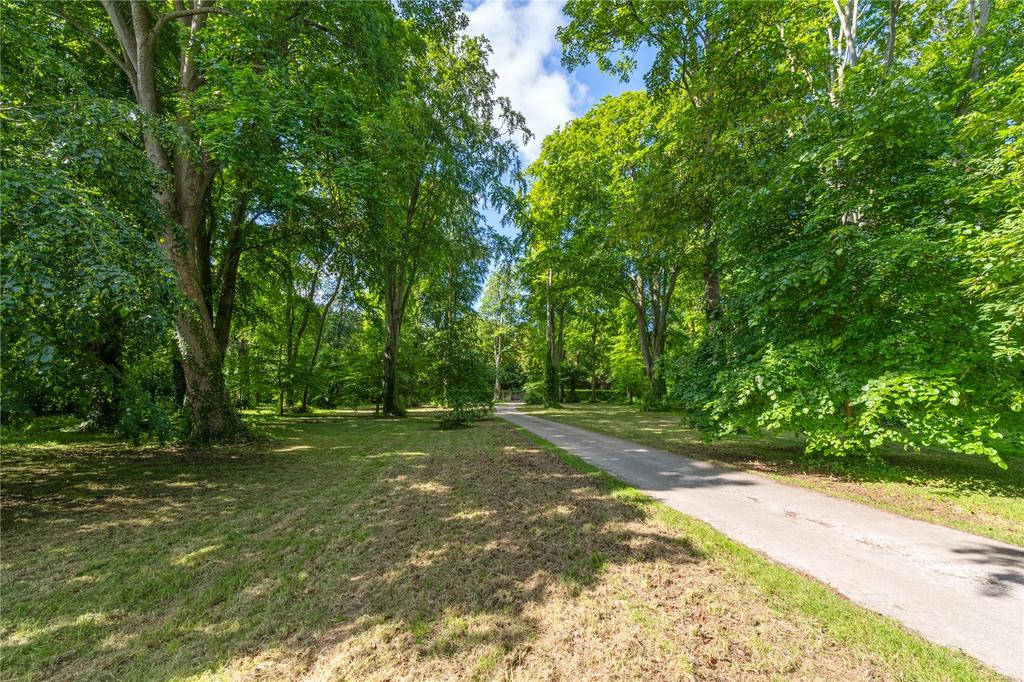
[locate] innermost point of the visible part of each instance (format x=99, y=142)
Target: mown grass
x=959, y=491
x=359, y=548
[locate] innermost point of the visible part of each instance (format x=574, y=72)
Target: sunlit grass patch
x=386, y=549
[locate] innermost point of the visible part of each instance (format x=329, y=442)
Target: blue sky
x=527, y=59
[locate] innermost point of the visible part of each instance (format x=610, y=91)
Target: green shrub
x=534, y=393
x=463, y=410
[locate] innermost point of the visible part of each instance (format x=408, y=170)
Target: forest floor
x=965, y=492
x=359, y=548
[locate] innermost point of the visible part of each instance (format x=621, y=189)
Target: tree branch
x=679, y=60
x=124, y=34
x=180, y=14
x=128, y=69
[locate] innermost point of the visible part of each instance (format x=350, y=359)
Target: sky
x=527, y=58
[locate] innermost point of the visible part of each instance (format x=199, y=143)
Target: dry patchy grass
x=356, y=548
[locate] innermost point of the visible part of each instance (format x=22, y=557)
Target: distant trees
x=501, y=308
x=206, y=165
x=839, y=183
x=443, y=145
x=605, y=196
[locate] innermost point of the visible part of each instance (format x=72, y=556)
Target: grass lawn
x=960, y=491
x=360, y=548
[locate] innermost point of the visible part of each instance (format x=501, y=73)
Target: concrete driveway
x=952, y=587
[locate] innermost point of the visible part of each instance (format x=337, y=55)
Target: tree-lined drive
x=267, y=268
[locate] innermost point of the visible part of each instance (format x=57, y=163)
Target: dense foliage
x=815, y=216
x=219, y=206
x=811, y=221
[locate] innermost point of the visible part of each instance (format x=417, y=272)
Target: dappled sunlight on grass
x=354, y=547
x=294, y=448
x=196, y=557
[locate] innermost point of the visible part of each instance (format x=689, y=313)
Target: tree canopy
x=810, y=222
x=831, y=186
x=233, y=194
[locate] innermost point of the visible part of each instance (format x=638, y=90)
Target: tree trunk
x=848, y=14
x=655, y=382
x=559, y=352
x=244, y=373
x=295, y=345
x=644, y=339
x=206, y=391
x=319, y=342
x=712, y=285
x=979, y=13
x=202, y=355
x=399, y=278
x=284, y=362
x=177, y=377
x=390, y=399
x=890, y=47
x=552, y=380
x=209, y=407
x=652, y=331
x=395, y=298
x=497, y=365
x=658, y=389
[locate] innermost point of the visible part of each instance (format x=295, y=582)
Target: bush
x=534, y=393
x=141, y=415
x=647, y=404
x=464, y=410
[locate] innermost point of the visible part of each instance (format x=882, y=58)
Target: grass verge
x=360, y=548
x=958, y=491
x=785, y=589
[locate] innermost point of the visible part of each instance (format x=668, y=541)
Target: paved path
x=954, y=588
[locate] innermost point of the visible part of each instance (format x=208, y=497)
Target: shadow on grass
x=368, y=537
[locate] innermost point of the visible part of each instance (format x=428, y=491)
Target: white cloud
x=525, y=57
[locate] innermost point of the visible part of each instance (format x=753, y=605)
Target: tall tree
x=603, y=185
x=846, y=246
x=85, y=294
x=500, y=306
x=717, y=58
x=443, y=147
x=201, y=76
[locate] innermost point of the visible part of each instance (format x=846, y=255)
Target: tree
x=845, y=250
x=603, y=186
x=500, y=307
x=715, y=60
x=442, y=146
x=86, y=294
x=201, y=77
x=459, y=370
x=845, y=170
